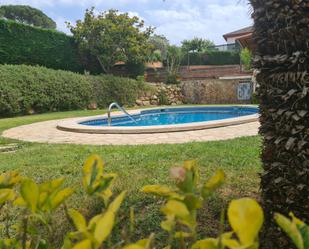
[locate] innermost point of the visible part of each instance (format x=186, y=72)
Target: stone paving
x=46, y=132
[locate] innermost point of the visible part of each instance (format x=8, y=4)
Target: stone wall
x=211, y=91
x=206, y=91
x=161, y=94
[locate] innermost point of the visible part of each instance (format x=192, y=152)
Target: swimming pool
x=174, y=116
x=166, y=120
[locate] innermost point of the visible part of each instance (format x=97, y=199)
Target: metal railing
x=233, y=47
x=109, y=118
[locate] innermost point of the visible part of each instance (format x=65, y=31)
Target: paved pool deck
x=47, y=132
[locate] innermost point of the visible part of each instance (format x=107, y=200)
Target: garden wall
x=208, y=91
x=213, y=91
x=161, y=94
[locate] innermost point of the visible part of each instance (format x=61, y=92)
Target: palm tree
x=282, y=55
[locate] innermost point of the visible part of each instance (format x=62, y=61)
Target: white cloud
x=199, y=20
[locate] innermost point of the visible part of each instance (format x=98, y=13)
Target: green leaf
x=290, y=229
x=205, y=244
x=51, y=185
x=78, y=220
x=162, y=191
x=176, y=208
x=104, y=226
x=105, y=222
x=191, y=165
x=85, y=244
x=115, y=205
x=6, y=194
x=183, y=235
x=169, y=223
x=213, y=183
x=133, y=246
x=92, y=173
x=246, y=218
x=9, y=179
x=30, y=193
x=60, y=197
x=193, y=202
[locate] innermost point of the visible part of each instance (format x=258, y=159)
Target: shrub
x=162, y=98
x=172, y=79
x=108, y=89
x=26, y=89
x=246, y=56
x=24, y=44
x=38, y=202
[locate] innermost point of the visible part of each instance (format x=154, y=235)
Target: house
x=241, y=37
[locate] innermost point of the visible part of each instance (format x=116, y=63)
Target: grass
x=137, y=166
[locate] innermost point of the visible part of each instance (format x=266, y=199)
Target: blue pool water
x=181, y=115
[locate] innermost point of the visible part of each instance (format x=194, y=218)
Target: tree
x=246, y=56
x=27, y=15
x=159, y=46
x=196, y=45
x=174, y=56
x=281, y=34
x=112, y=36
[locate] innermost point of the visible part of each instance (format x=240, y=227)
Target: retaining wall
x=212, y=91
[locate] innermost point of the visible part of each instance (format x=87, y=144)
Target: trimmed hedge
x=26, y=89
x=108, y=89
x=24, y=44
x=212, y=58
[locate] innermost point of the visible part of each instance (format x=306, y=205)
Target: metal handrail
x=109, y=118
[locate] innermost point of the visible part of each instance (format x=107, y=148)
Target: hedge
x=27, y=89
x=25, y=44
x=212, y=58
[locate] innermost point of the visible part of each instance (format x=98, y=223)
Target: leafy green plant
x=162, y=98
x=27, y=89
x=246, y=57
x=297, y=230
x=37, y=203
x=183, y=201
x=174, y=56
x=172, y=79
x=160, y=44
x=254, y=99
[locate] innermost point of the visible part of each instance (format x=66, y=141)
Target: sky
x=176, y=19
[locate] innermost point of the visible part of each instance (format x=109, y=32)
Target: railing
x=233, y=47
x=109, y=118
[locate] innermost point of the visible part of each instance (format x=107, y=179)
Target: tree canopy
x=196, y=44
x=112, y=36
x=27, y=15
x=159, y=45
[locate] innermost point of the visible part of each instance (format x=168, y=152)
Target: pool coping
x=72, y=125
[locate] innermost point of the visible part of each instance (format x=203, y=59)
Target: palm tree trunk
x=281, y=35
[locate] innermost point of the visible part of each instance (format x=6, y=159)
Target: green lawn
x=137, y=166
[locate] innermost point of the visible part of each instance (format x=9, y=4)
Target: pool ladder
x=114, y=104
